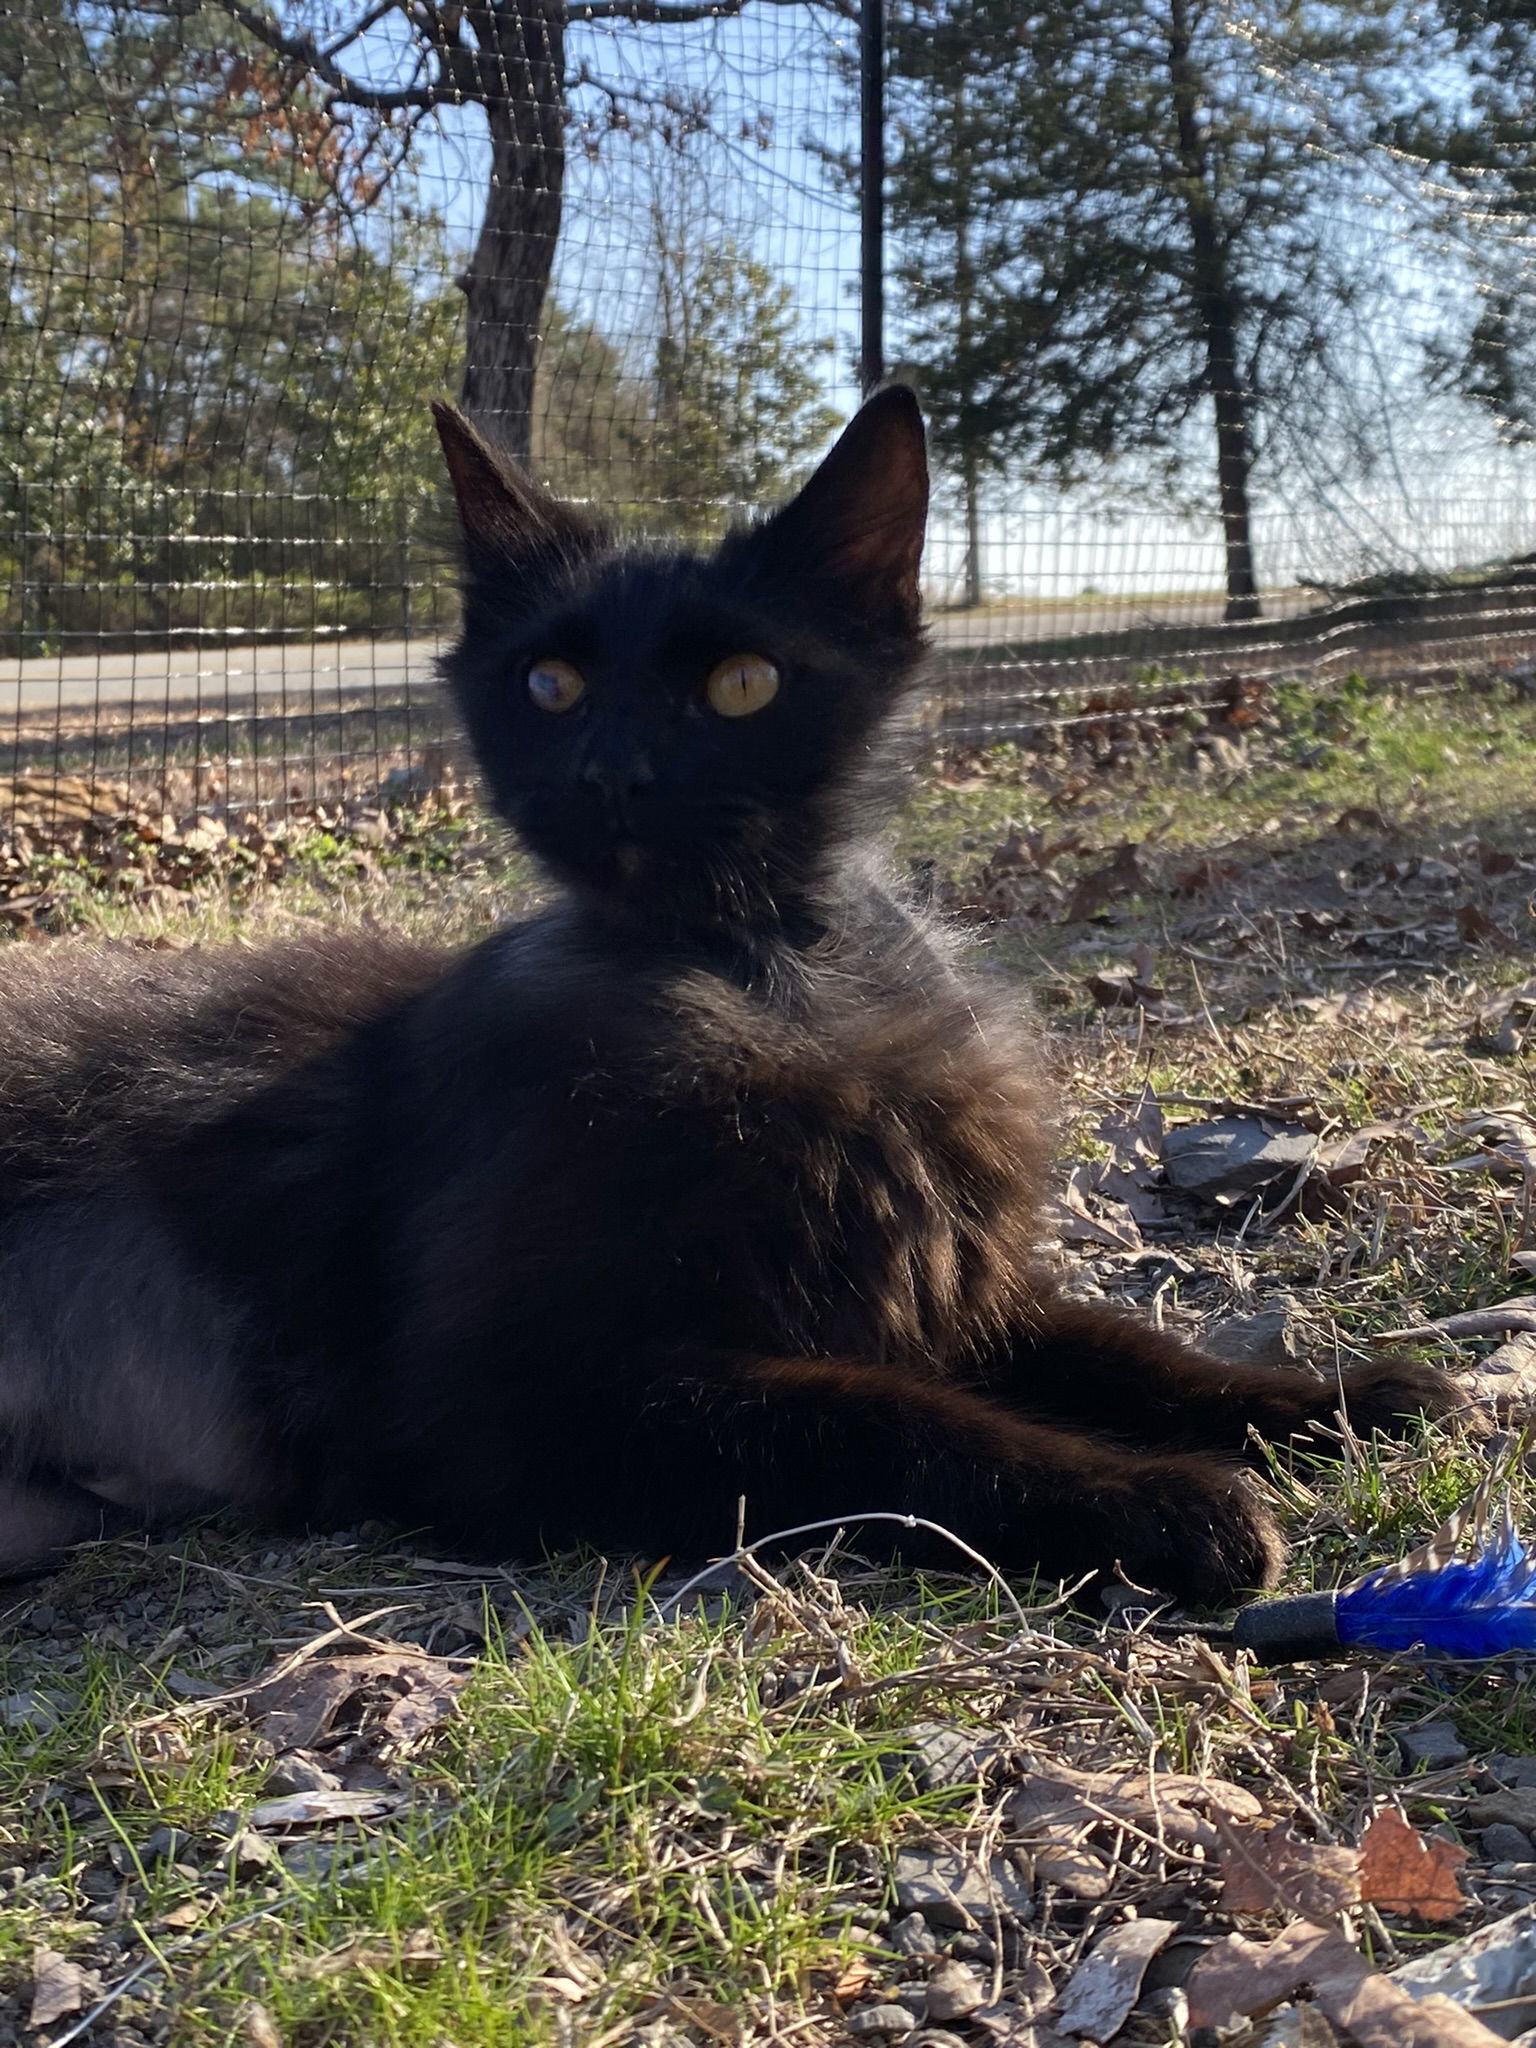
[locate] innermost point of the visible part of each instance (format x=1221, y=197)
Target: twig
x=746, y=1550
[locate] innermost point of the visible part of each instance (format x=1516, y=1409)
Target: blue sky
x=1447, y=494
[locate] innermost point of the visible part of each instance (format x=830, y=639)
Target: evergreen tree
x=1114, y=223
x=736, y=406
x=1475, y=134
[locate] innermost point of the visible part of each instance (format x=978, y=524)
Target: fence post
x=871, y=194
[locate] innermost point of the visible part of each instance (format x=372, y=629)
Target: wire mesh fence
x=1222, y=316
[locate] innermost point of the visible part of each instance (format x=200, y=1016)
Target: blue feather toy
x=1434, y=1602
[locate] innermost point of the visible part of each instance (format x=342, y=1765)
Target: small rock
x=935, y=2037
x=954, y=1992
x=911, y=1936
x=248, y=1852
x=1010, y=2026
x=1230, y=1157
x=945, y=1757
x=1516, y=1771
x=885, y=2020
x=972, y=1948
x=41, y=1618
x=1273, y=1336
x=33, y=1713
x=311, y=1859
x=951, y=1890
x=914, y=1997
x=294, y=1772
x=1503, y=1844
x=1169, y=2004
x=1505, y=1381
x=186, y=1685
x=1435, y=1746
x=165, y=1845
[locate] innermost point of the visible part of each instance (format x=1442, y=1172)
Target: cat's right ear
x=513, y=532
x=856, y=527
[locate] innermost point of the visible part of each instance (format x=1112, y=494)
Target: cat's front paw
x=1390, y=1394
x=1198, y=1532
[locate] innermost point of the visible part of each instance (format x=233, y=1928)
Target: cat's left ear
x=512, y=529
x=858, y=524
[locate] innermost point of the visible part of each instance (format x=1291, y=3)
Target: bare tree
x=509, y=58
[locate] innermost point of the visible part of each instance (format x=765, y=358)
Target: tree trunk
x=1216, y=312
x=973, y=589
x=519, y=79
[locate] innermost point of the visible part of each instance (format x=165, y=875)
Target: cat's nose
x=619, y=777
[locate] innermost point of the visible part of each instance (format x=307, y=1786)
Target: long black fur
x=718, y=1179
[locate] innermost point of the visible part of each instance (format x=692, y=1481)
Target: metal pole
x=872, y=194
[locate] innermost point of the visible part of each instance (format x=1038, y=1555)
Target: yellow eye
x=742, y=685
x=555, y=685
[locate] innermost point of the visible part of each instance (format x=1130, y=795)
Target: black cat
x=717, y=1180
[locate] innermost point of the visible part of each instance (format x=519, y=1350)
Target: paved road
x=146, y=682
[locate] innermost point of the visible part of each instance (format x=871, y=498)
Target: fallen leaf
x=1069, y=1215
x=1273, y=1871
x=1360, y=818
x=417, y=1953
x=1506, y=1024
x=408, y=1695
x=1477, y=928
x=1058, y=1805
x=1122, y=877
x=1099, y=1995
x=257, y=2027
x=1343, y=1161
x=1493, y=860
x=852, y=1981
x=1135, y=1133
x=59, y=1987
x=1205, y=874
x=1123, y=991
x=1239, y=1979
x=1403, y=1872
x=185, y=1915
x=305, y=1809
x=720, y=2022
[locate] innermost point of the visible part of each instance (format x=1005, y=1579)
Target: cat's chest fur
x=821, y=1159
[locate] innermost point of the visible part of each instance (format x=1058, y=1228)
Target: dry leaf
x=1134, y=1134
x=1402, y=1872
x=720, y=2022
x=1360, y=818
x=1123, y=992
x=416, y=1954
x=1273, y=1871
x=1074, y=1222
x=414, y=1692
x=1477, y=928
x=1238, y=1979
x=853, y=1981
x=185, y=1915
x=258, y=2029
x=1100, y=1993
x=59, y=1987
x=1122, y=877
x=1057, y=1807
x=305, y=1809
x=1205, y=874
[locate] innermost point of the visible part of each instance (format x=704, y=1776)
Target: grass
x=667, y=1830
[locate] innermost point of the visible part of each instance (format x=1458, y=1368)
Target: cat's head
x=690, y=735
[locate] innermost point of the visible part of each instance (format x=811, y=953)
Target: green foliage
x=211, y=392
x=1112, y=232
x=738, y=407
